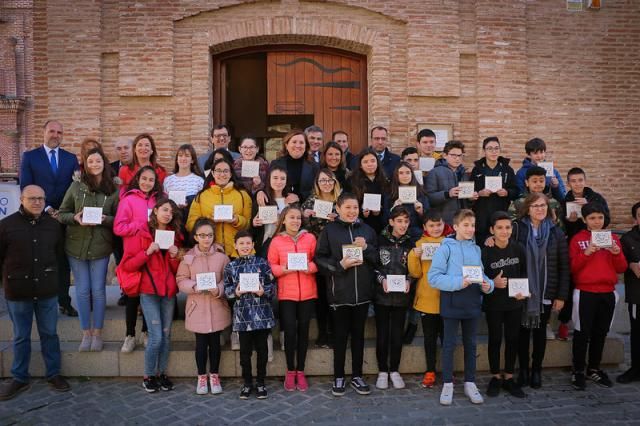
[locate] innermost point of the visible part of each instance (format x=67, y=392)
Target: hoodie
x=572, y=228
x=597, y=273
x=446, y=275
x=557, y=193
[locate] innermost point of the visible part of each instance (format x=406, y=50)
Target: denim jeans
x=90, y=279
x=21, y=314
x=158, y=312
x=469, y=343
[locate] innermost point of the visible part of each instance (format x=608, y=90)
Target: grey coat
x=438, y=183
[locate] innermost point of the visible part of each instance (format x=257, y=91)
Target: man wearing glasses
x=220, y=138
x=29, y=241
x=443, y=182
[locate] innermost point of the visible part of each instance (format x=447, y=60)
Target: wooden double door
x=266, y=92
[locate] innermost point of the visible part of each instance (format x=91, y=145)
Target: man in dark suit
x=52, y=168
x=123, y=149
x=379, y=141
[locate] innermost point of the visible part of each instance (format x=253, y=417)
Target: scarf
x=536, y=270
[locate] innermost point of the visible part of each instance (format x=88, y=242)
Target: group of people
x=318, y=232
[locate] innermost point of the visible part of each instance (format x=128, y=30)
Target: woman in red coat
x=297, y=290
x=153, y=254
x=145, y=153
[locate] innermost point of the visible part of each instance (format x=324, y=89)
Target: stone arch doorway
x=266, y=90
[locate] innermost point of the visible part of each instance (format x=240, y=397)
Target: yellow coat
x=427, y=298
x=225, y=232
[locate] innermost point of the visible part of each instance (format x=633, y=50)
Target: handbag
x=129, y=281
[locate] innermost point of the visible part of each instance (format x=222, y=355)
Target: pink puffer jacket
x=296, y=286
x=205, y=312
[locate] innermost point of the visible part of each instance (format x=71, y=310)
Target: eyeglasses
x=380, y=139
x=325, y=181
x=455, y=155
x=249, y=147
x=204, y=236
x=35, y=199
x=220, y=136
x=537, y=206
x=222, y=171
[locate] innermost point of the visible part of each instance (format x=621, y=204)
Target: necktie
x=54, y=162
x=380, y=156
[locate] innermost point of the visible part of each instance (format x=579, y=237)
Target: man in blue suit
x=379, y=141
x=52, y=168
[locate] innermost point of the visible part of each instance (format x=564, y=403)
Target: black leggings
x=510, y=322
x=595, y=311
x=208, y=345
x=349, y=320
x=432, y=327
x=324, y=319
x=294, y=320
x=131, y=311
x=389, y=332
x=539, y=342
x=249, y=340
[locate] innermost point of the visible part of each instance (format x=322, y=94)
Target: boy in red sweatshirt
x=594, y=270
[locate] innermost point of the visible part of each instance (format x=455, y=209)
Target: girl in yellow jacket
x=427, y=300
x=221, y=188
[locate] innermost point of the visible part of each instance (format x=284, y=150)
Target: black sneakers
x=150, y=384
x=165, y=383
x=512, y=387
x=360, y=386
x=261, y=391
x=600, y=378
x=245, y=392
x=494, y=387
x=578, y=381
x=631, y=375
x=339, y=387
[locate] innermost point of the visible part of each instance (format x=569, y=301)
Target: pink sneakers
x=290, y=381
x=302, y=381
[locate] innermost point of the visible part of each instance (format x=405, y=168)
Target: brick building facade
x=512, y=68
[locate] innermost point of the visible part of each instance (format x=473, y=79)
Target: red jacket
x=597, y=273
x=296, y=286
x=161, y=266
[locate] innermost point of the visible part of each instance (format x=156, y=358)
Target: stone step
x=112, y=363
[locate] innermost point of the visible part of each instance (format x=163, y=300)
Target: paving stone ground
x=123, y=401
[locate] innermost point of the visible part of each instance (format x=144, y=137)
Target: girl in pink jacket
x=290, y=256
x=207, y=313
x=132, y=215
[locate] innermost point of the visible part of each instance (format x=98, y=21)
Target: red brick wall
x=512, y=68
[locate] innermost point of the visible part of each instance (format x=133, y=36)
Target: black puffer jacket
x=631, y=248
x=557, y=259
x=353, y=286
x=393, y=254
x=28, y=248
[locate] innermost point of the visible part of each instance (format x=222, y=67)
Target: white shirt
x=57, y=154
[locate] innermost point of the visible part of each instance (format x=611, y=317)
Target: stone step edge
x=112, y=363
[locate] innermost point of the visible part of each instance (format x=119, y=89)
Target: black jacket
x=393, y=254
x=631, y=249
x=557, y=286
x=484, y=207
x=307, y=177
x=371, y=187
x=572, y=228
x=28, y=248
x=353, y=286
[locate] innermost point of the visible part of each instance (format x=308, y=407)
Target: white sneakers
x=382, y=382
x=396, y=380
x=446, y=397
x=129, y=344
x=470, y=390
x=214, y=384
x=201, y=387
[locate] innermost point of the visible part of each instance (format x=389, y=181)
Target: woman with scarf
x=547, y=260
